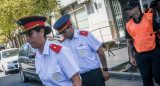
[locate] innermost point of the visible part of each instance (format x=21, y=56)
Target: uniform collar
x=139, y=19
x=76, y=33
x=46, y=47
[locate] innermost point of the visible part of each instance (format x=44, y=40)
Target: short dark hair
x=37, y=29
x=69, y=26
x=66, y=28
x=145, y=5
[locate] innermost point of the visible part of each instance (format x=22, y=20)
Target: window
x=10, y=53
x=23, y=51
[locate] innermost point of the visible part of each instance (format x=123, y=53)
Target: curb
x=124, y=75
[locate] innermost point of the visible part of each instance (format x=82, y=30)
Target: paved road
x=13, y=79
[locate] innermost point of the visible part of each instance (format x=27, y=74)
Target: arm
x=129, y=41
x=96, y=46
x=102, y=57
x=76, y=80
x=132, y=59
x=69, y=67
x=130, y=48
x=156, y=25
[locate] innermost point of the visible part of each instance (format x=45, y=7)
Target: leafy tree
x=12, y=10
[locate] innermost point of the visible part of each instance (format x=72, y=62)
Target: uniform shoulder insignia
x=85, y=33
x=55, y=47
x=62, y=40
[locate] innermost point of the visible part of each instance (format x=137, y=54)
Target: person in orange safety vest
x=140, y=33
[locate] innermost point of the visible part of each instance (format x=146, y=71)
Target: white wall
x=98, y=18
x=66, y=2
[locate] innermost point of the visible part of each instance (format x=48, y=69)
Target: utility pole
x=141, y=4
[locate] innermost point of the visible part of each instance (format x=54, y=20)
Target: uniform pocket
x=53, y=69
x=55, y=73
x=149, y=41
x=82, y=50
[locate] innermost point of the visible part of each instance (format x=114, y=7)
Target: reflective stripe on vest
x=142, y=33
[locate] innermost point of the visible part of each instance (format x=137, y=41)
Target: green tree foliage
x=12, y=10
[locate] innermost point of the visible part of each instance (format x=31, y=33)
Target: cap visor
x=25, y=31
x=21, y=33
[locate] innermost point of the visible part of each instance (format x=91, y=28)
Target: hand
x=105, y=75
x=133, y=61
x=76, y=80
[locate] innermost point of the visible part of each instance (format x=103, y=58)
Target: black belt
x=90, y=71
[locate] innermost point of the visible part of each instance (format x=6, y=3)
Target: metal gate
x=117, y=11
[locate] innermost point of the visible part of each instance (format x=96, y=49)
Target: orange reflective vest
x=149, y=11
x=142, y=33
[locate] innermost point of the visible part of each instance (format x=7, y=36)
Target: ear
x=71, y=26
x=42, y=32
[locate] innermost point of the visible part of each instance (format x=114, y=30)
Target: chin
x=67, y=37
x=33, y=45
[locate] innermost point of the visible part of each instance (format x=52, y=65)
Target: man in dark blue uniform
x=87, y=50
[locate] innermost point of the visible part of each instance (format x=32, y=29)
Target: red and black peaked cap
x=32, y=22
x=62, y=23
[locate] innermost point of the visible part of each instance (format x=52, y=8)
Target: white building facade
x=105, y=19
x=91, y=15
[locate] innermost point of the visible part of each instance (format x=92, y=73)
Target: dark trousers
x=149, y=66
x=93, y=78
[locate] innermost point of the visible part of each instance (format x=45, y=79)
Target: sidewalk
x=121, y=82
x=121, y=56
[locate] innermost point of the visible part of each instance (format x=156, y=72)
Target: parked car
x=26, y=62
x=8, y=60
